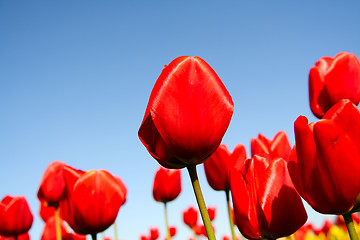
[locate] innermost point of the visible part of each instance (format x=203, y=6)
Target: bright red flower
x=333, y=79
x=190, y=216
x=144, y=237
x=93, y=200
x=212, y=213
x=154, y=233
x=325, y=168
x=52, y=186
x=278, y=147
x=217, y=167
x=15, y=216
x=266, y=204
x=172, y=231
x=167, y=184
x=188, y=113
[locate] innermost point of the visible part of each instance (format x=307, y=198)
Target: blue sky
x=75, y=78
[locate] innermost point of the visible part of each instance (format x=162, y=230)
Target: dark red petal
x=282, y=207
x=245, y=214
x=217, y=169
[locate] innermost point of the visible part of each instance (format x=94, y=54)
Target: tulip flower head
x=279, y=147
x=325, y=167
x=52, y=186
x=190, y=216
x=266, y=204
x=188, y=113
x=93, y=200
x=15, y=216
x=217, y=167
x=167, y=184
x=333, y=79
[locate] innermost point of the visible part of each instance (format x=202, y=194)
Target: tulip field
x=111, y=139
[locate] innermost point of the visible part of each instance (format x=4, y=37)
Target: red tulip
x=190, y=216
x=172, y=231
x=93, y=200
x=52, y=186
x=278, y=147
x=167, y=184
x=212, y=213
x=144, y=237
x=154, y=233
x=15, y=216
x=326, y=168
x=217, y=167
x=188, y=113
x=266, y=204
x=333, y=79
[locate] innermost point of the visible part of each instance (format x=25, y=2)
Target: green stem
x=166, y=222
x=201, y=203
x=115, y=231
x=227, y=193
x=93, y=236
x=350, y=226
x=57, y=224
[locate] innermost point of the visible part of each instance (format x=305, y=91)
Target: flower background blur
x=75, y=78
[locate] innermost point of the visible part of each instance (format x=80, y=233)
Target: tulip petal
x=343, y=78
x=282, y=207
x=338, y=168
x=245, y=213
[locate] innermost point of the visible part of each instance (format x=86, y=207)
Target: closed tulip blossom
x=167, y=184
x=15, y=216
x=154, y=233
x=266, y=204
x=217, y=167
x=187, y=115
x=333, y=79
x=325, y=168
x=52, y=186
x=93, y=200
x=279, y=146
x=190, y=216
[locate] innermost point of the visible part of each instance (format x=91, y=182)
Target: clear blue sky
x=75, y=78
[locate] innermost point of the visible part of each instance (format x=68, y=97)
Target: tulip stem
x=201, y=203
x=93, y=236
x=57, y=224
x=227, y=192
x=350, y=226
x=115, y=231
x=166, y=222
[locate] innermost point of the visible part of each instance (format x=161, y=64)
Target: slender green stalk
x=166, y=222
x=227, y=193
x=115, y=231
x=201, y=203
x=57, y=224
x=350, y=226
x=93, y=236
